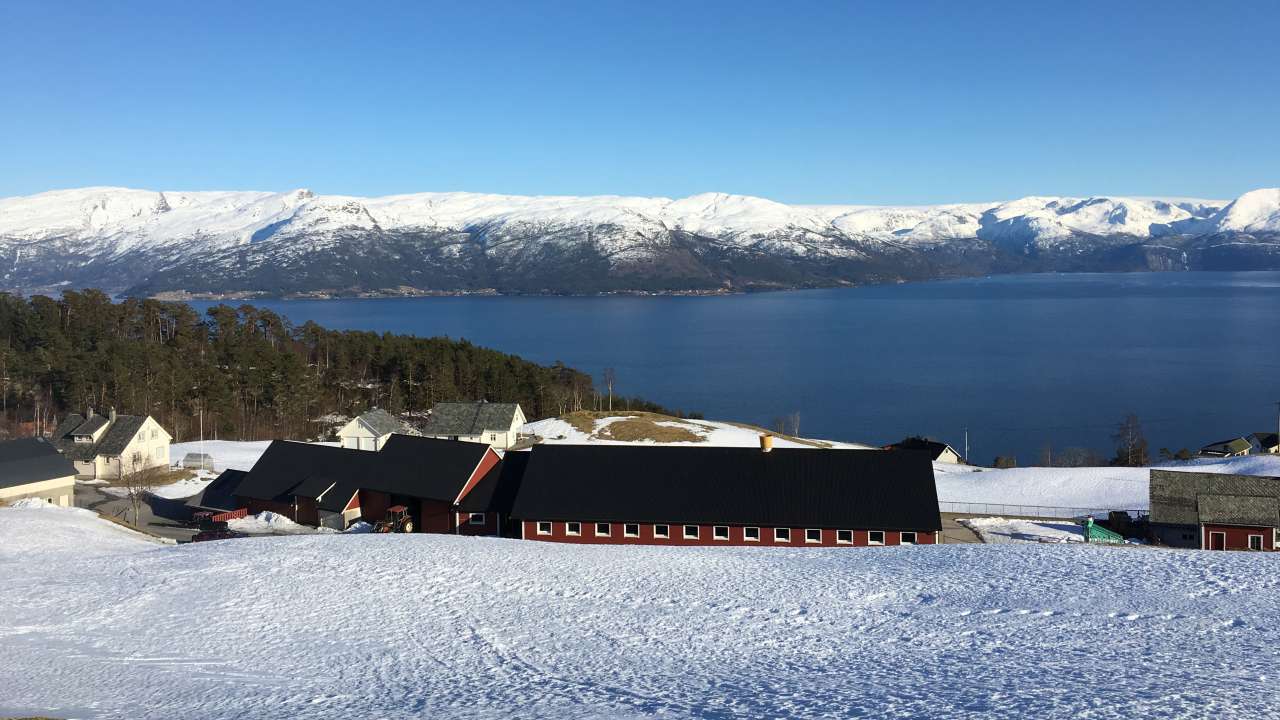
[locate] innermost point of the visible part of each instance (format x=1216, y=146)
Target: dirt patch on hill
x=640, y=429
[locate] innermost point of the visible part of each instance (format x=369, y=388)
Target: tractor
x=397, y=520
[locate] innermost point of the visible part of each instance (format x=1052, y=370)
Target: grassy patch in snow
x=640, y=429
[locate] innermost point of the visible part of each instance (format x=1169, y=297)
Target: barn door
x=1217, y=541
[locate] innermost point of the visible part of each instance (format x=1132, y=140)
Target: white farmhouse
x=371, y=430
x=497, y=424
x=107, y=447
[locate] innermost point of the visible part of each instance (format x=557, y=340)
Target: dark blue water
x=1021, y=361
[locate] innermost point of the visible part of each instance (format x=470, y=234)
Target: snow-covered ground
x=713, y=433
x=269, y=523
x=1000, y=530
x=93, y=624
x=1097, y=487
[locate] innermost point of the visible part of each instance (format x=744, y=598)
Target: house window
x=475, y=518
x=573, y=528
x=782, y=534
x=720, y=532
x=631, y=530
x=544, y=528
x=662, y=531
x=1255, y=542
x=907, y=538
x=844, y=537
x=813, y=535
x=875, y=537
x=493, y=437
x=690, y=532
x=751, y=534
x=602, y=529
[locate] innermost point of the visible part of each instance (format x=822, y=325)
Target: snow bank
x=32, y=529
x=269, y=523
x=443, y=626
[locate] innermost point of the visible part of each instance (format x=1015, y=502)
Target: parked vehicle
x=397, y=520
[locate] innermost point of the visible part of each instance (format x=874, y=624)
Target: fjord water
x=1020, y=360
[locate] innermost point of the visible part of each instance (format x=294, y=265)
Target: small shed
x=197, y=461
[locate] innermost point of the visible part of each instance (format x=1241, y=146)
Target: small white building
x=107, y=447
x=1264, y=443
x=33, y=468
x=371, y=430
x=496, y=424
x=939, y=451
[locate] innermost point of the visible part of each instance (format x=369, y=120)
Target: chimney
x=766, y=443
x=112, y=417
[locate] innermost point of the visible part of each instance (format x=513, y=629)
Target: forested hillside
x=246, y=371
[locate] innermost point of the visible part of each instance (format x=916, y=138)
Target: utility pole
x=966, y=443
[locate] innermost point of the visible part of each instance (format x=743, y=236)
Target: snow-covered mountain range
x=150, y=242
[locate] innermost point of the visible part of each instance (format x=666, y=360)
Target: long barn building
x=608, y=494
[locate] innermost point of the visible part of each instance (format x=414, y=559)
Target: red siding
x=1237, y=536
x=303, y=513
x=490, y=526
x=373, y=506
x=486, y=464
x=435, y=516
x=705, y=536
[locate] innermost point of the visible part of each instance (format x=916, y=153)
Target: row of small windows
x=721, y=532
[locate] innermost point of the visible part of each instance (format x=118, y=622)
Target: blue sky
x=818, y=102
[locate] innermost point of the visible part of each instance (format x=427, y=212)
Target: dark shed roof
x=31, y=460
x=220, y=494
x=413, y=466
x=382, y=422
x=496, y=491
x=934, y=447
x=782, y=488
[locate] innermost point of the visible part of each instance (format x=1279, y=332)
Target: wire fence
x=1045, y=511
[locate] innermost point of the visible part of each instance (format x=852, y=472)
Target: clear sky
x=802, y=102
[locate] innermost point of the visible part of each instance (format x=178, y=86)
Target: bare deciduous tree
x=1131, y=444
x=610, y=377
x=137, y=480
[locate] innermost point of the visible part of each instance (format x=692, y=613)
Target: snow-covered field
x=1099, y=487
x=96, y=624
x=1000, y=530
x=555, y=431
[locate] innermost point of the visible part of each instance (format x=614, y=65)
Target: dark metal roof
x=469, y=418
x=918, y=443
x=1190, y=498
x=220, y=494
x=782, y=488
x=413, y=466
x=69, y=423
x=31, y=460
x=1266, y=439
x=496, y=491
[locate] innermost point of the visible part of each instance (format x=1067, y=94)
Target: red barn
x=635, y=495
x=1214, y=511
x=333, y=487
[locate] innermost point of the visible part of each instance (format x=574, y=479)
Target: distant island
x=243, y=245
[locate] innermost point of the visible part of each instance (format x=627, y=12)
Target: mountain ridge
x=257, y=243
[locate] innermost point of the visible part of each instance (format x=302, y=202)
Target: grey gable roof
x=113, y=442
x=384, y=423
x=469, y=418
x=31, y=460
x=1190, y=498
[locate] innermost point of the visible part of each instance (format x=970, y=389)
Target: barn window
x=844, y=537
x=573, y=528
x=475, y=518
x=908, y=538
x=602, y=529
x=1255, y=542
x=875, y=537
x=631, y=530
x=690, y=532
x=544, y=528
x=751, y=534
x=813, y=535
x=782, y=534
x=662, y=531
x=720, y=532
